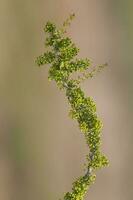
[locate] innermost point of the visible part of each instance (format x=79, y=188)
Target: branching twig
x=83, y=109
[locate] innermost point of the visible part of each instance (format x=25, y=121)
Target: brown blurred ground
x=41, y=149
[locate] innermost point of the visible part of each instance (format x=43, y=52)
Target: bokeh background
x=41, y=149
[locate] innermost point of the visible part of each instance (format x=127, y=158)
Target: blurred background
x=41, y=149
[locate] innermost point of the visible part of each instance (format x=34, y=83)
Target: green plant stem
x=83, y=109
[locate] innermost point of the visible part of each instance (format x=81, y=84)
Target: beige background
x=41, y=149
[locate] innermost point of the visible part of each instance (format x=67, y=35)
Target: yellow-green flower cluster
x=83, y=109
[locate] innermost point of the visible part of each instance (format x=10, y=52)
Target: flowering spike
x=83, y=109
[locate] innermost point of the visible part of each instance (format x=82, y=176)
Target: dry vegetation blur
x=41, y=149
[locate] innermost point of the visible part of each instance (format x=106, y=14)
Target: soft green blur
x=41, y=149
